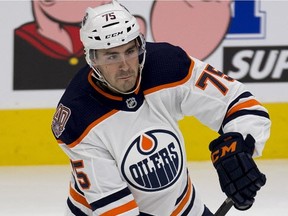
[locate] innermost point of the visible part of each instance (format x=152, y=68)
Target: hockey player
x=118, y=123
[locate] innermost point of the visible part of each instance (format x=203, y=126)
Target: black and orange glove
x=239, y=177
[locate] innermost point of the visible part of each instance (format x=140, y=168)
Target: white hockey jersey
x=127, y=152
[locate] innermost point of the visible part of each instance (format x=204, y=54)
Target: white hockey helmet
x=107, y=26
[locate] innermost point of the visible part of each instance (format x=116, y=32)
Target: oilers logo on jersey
x=153, y=160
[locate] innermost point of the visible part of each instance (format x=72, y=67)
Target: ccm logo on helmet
x=113, y=35
x=153, y=161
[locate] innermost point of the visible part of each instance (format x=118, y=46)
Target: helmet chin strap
x=98, y=75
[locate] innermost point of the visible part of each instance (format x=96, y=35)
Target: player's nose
x=124, y=63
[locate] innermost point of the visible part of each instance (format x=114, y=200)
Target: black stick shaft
x=225, y=207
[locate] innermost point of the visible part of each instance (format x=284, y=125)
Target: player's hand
x=239, y=177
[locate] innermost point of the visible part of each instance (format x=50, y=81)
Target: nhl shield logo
x=154, y=160
x=131, y=103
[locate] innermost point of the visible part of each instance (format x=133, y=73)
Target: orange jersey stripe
x=78, y=197
x=73, y=144
x=243, y=105
x=118, y=98
x=59, y=141
x=121, y=209
x=113, y=97
x=169, y=85
x=184, y=201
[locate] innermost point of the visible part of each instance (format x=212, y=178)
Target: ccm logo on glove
x=223, y=151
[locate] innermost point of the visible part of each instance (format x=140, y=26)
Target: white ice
x=42, y=190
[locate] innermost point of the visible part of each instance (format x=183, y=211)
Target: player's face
x=119, y=65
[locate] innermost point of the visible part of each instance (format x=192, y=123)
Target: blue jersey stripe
x=110, y=199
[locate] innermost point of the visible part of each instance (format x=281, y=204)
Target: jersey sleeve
x=224, y=104
x=97, y=182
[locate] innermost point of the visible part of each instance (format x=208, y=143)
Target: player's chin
x=127, y=86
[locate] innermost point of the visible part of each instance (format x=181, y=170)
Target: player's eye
x=112, y=58
x=131, y=53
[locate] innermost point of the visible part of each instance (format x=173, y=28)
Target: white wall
x=273, y=37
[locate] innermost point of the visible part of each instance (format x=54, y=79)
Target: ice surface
x=42, y=190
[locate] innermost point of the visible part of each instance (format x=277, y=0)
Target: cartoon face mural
x=197, y=26
x=48, y=51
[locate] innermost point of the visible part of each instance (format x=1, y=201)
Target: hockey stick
x=225, y=207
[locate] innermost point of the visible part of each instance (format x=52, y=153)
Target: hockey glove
x=239, y=177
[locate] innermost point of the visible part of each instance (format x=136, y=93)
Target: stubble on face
x=122, y=80
x=122, y=75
